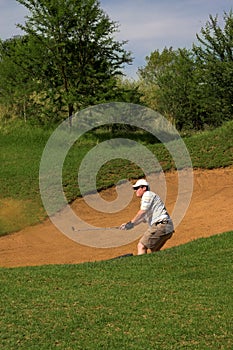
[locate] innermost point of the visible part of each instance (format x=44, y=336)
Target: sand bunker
x=209, y=213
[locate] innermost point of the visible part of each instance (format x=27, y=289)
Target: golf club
x=94, y=229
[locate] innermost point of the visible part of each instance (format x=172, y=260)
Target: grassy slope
x=21, y=149
x=179, y=298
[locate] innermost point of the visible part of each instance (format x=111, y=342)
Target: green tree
x=214, y=58
x=176, y=87
x=149, y=75
x=167, y=85
x=16, y=84
x=128, y=90
x=193, y=88
x=72, y=53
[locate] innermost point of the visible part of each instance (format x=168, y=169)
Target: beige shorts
x=157, y=235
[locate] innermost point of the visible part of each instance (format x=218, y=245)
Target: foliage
x=184, y=293
x=215, y=69
x=68, y=60
x=16, y=84
x=129, y=90
x=69, y=56
x=174, y=82
x=193, y=88
x=155, y=66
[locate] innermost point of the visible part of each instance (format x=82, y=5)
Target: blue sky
x=148, y=25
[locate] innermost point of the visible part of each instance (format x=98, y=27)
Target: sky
x=147, y=25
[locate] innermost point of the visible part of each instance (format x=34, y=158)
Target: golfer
x=152, y=211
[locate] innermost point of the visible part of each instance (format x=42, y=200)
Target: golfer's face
x=139, y=191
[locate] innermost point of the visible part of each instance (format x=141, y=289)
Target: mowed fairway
x=179, y=298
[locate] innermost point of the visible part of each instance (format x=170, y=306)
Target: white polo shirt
x=154, y=207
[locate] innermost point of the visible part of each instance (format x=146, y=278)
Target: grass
x=21, y=148
x=208, y=150
x=212, y=149
x=179, y=298
x=20, y=152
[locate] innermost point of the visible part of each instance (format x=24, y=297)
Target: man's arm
x=139, y=217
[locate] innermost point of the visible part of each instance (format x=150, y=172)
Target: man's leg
x=155, y=238
x=141, y=249
x=160, y=241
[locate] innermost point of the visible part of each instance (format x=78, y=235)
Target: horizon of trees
x=68, y=60
x=193, y=88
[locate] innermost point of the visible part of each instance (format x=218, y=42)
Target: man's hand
x=127, y=226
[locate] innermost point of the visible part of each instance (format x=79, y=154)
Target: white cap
x=141, y=182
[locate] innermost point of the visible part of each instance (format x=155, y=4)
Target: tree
x=149, y=75
x=16, y=84
x=176, y=87
x=193, y=88
x=167, y=83
x=73, y=54
x=128, y=90
x=214, y=58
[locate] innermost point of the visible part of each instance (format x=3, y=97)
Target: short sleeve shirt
x=154, y=207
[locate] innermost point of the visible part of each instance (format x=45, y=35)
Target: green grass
x=21, y=148
x=208, y=150
x=20, y=152
x=179, y=298
x=212, y=149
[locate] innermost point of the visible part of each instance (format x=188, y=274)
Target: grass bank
x=179, y=298
x=21, y=148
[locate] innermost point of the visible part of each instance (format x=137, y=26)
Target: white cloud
x=150, y=25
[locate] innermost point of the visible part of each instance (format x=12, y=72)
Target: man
x=152, y=211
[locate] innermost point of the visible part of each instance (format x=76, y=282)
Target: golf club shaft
x=94, y=229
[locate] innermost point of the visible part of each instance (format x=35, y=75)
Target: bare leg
x=141, y=249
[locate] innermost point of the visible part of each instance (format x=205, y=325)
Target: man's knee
x=141, y=249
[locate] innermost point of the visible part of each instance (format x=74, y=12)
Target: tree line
x=68, y=59
x=193, y=87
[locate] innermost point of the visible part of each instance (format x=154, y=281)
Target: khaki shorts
x=157, y=235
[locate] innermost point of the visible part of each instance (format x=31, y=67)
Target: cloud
x=146, y=20
x=148, y=25
x=151, y=25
